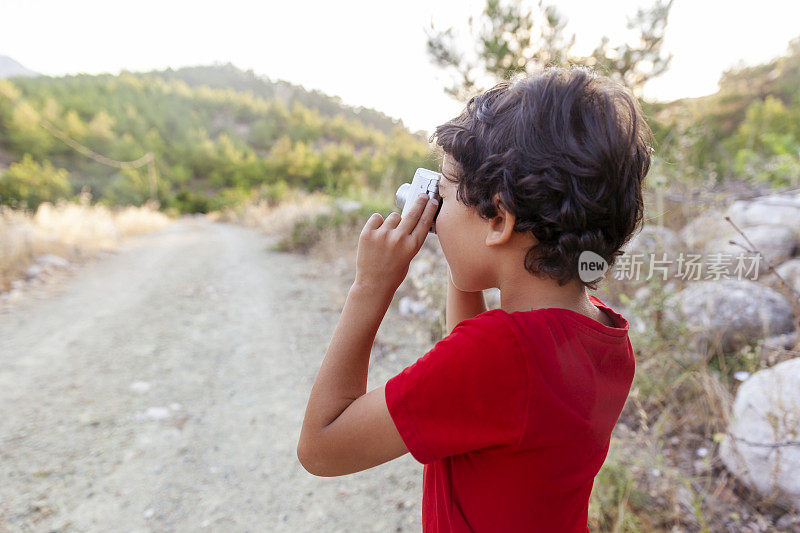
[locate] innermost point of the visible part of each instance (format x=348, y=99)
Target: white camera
x=426, y=181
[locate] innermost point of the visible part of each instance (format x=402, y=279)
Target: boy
x=511, y=413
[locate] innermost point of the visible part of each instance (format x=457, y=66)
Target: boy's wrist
x=362, y=288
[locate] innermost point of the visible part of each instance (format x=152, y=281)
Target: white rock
x=655, y=239
x=409, y=306
x=655, y=243
x=139, y=386
x=492, y=298
x=729, y=313
x=154, y=413
x=420, y=267
x=54, y=261
x=705, y=227
x=775, y=243
x=34, y=271
x=790, y=271
x=13, y=295
x=762, y=447
x=770, y=209
x=642, y=294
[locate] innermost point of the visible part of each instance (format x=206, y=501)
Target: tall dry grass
x=71, y=230
x=277, y=219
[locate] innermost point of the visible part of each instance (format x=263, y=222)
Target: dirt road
x=162, y=388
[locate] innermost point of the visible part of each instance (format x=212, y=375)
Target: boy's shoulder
x=488, y=332
x=526, y=326
x=485, y=324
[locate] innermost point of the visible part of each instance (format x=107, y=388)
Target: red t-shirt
x=511, y=414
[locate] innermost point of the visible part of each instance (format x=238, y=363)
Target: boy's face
x=462, y=234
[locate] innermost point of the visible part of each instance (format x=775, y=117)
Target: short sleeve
x=469, y=392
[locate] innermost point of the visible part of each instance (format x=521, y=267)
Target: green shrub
x=309, y=231
x=615, y=502
x=27, y=184
x=274, y=193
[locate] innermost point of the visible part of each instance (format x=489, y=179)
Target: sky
x=367, y=52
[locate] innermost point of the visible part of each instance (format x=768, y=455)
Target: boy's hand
x=386, y=247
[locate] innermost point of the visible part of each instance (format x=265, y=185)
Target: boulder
x=704, y=228
x=654, y=239
x=775, y=243
x=790, y=271
x=728, y=314
x=762, y=446
x=771, y=210
x=650, y=241
x=778, y=209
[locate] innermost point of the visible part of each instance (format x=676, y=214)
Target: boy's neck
x=525, y=292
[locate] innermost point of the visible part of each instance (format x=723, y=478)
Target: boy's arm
x=345, y=428
x=461, y=305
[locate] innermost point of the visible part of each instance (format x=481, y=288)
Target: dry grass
x=70, y=230
x=277, y=219
x=311, y=223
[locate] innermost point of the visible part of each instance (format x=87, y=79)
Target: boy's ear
x=501, y=226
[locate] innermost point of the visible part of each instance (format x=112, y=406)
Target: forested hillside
x=216, y=133
x=749, y=129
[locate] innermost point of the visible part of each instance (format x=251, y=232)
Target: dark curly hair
x=566, y=150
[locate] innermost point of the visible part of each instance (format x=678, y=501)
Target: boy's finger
x=409, y=221
x=425, y=221
x=391, y=221
x=373, y=222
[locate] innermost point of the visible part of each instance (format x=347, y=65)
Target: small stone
x=154, y=413
x=50, y=260
x=139, y=386
x=408, y=306
x=701, y=466
x=33, y=271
